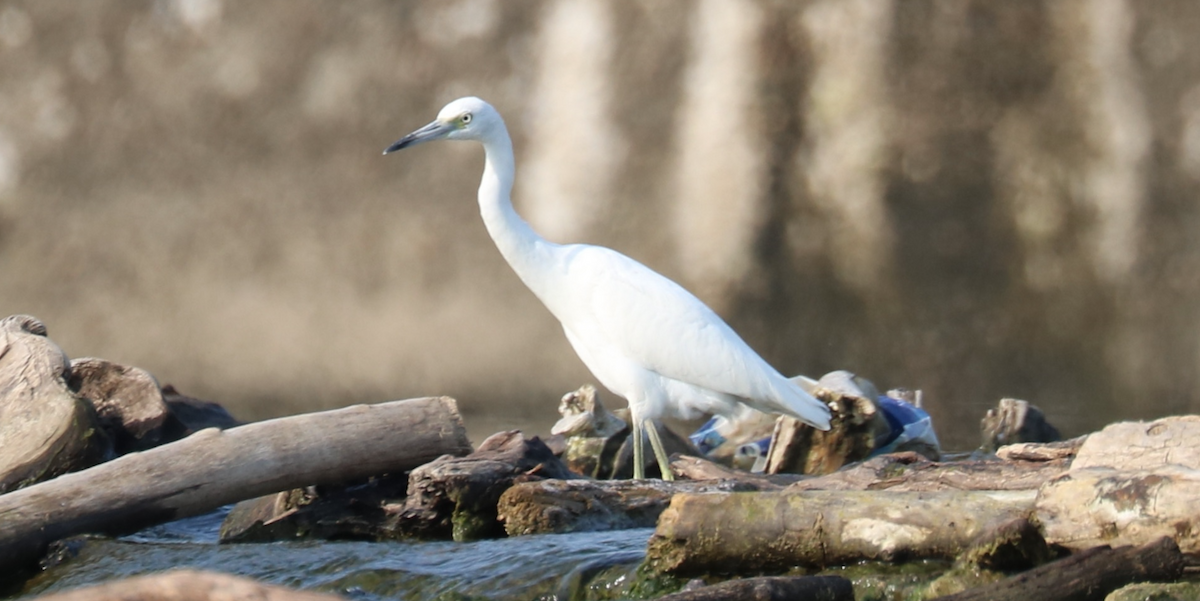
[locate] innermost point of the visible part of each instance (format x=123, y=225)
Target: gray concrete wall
x=975, y=198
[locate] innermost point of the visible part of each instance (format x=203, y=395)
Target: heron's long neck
x=521, y=246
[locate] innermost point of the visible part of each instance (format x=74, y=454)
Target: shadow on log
x=1085, y=576
x=213, y=468
x=187, y=585
x=771, y=588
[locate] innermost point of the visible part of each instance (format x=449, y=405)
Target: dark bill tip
x=433, y=131
x=400, y=144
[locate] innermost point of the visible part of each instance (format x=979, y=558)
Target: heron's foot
x=660, y=452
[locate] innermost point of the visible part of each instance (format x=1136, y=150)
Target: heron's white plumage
x=643, y=336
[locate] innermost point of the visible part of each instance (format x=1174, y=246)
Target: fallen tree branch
x=1085, y=576
x=757, y=531
x=213, y=468
x=593, y=505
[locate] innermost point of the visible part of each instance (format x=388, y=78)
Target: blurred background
x=975, y=198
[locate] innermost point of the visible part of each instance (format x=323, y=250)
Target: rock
x=360, y=512
x=187, y=415
x=456, y=497
x=47, y=430
x=126, y=399
x=1013, y=421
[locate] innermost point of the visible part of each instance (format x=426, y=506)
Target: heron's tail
x=795, y=399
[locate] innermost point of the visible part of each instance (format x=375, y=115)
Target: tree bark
x=212, y=468
x=771, y=588
x=592, y=505
x=187, y=585
x=743, y=532
x=1085, y=576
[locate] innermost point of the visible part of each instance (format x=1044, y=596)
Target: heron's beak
x=433, y=131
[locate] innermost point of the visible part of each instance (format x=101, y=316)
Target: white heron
x=643, y=336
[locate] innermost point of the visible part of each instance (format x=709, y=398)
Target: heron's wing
x=663, y=327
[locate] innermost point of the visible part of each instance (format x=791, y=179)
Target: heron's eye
x=465, y=119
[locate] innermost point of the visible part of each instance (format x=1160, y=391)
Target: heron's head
x=464, y=119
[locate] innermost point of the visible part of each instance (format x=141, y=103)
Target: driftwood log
x=456, y=497
x=773, y=530
x=910, y=471
x=771, y=588
x=1143, y=445
x=687, y=467
x=187, y=585
x=589, y=505
x=904, y=471
x=593, y=435
x=1129, y=484
x=856, y=424
x=1085, y=576
x=47, y=430
x=1095, y=506
x=212, y=468
x=127, y=400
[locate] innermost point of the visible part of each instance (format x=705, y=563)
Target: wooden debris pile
x=92, y=447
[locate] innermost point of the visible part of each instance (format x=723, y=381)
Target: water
x=529, y=567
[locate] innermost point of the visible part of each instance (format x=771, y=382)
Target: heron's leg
x=639, y=461
x=664, y=463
